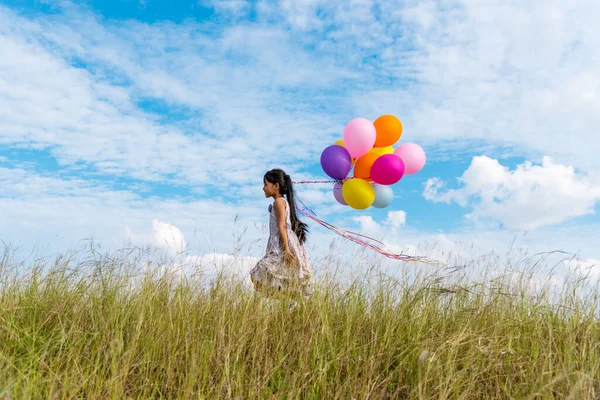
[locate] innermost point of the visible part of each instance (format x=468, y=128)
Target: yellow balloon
x=358, y=193
x=382, y=150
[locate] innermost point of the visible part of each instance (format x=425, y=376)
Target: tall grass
x=103, y=330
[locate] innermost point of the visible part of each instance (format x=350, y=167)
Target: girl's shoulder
x=277, y=203
x=280, y=203
x=280, y=200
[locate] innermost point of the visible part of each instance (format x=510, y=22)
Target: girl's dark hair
x=286, y=188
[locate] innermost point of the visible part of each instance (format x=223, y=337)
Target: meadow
x=99, y=328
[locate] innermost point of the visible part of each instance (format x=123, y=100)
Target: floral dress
x=270, y=273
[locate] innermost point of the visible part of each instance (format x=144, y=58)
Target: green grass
x=99, y=331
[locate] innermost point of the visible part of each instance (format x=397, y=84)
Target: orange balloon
x=389, y=130
x=362, y=168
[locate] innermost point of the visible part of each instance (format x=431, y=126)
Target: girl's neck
x=277, y=196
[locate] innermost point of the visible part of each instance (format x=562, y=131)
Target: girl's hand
x=289, y=259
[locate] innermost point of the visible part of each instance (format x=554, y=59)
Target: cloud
x=167, y=236
x=174, y=257
x=394, y=220
x=208, y=108
x=302, y=14
x=467, y=78
x=90, y=114
x=226, y=265
x=367, y=223
x=360, y=48
x=585, y=268
x=528, y=197
x=235, y=89
x=46, y=209
x=58, y=213
x=236, y=8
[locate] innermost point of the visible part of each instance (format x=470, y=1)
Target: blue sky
x=115, y=114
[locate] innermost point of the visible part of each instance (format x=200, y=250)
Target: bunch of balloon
x=368, y=148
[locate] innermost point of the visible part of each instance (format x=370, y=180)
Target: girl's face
x=270, y=189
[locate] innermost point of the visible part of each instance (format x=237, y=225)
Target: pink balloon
x=359, y=137
x=413, y=156
x=387, y=169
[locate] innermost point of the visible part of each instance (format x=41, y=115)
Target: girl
x=285, y=268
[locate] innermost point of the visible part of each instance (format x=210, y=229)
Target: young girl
x=285, y=268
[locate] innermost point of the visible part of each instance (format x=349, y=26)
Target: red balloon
x=387, y=169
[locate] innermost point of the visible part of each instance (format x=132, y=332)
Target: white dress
x=271, y=274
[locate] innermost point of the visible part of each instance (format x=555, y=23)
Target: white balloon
x=384, y=195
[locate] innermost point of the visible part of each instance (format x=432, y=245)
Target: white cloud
x=469, y=64
x=239, y=99
x=531, y=283
x=394, y=220
x=474, y=80
x=46, y=211
x=367, y=223
x=167, y=236
x=84, y=114
x=39, y=209
x=237, y=80
x=301, y=13
x=229, y=7
x=225, y=265
x=584, y=268
x=174, y=257
x=531, y=196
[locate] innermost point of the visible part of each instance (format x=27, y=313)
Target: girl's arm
x=281, y=223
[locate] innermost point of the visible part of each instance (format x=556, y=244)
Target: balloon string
x=306, y=182
x=368, y=242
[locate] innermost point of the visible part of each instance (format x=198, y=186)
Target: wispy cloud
x=394, y=221
x=231, y=8
x=457, y=71
x=38, y=209
x=235, y=127
x=521, y=74
x=211, y=106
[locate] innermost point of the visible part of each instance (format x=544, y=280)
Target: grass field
x=98, y=331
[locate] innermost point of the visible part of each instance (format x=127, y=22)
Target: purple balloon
x=336, y=162
x=337, y=193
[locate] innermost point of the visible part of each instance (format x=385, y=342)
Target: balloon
x=383, y=196
x=382, y=150
x=341, y=143
x=336, y=162
x=413, y=156
x=358, y=193
x=337, y=193
x=362, y=168
x=389, y=130
x=387, y=169
x=359, y=137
